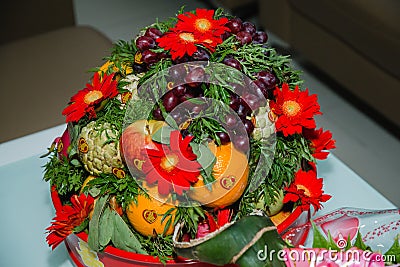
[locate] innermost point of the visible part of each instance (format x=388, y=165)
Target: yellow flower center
x=291, y=108
x=305, y=189
x=92, y=96
x=187, y=37
x=203, y=25
x=169, y=162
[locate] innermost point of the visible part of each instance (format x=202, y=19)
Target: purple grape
x=268, y=78
x=225, y=36
x=260, y=37
x=201, y=55
x=223, y=137
x=231, y=121
x=170, y=101
x=241, y=143
x=138, y=68
x=196, y=109
x=249, y=27
x=145, y=43
x=232, y=62
x=153, y=33
x=235, y=102
x=235, y=25
x=248, y=125
x=180, y=90
x=180, y=60
x=243, y=110
x=157, y=114
x=195, y=77
x=244, y=37
x=177, y=72
x=177, y=116
x=149, y=57
x=162, y=55
x=237, y=88
x=252, y=101
x=188, y=95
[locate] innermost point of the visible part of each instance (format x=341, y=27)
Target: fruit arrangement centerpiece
x=196, y=132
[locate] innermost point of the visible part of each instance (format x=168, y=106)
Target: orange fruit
x=231, y=171
x=146, y=215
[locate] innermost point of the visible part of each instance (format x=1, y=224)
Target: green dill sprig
x=191, y=216
x=289, y=154
x=159, y=246
x=67, y=178
x=125, y=189
x=122, y=55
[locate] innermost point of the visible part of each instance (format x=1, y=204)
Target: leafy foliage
x=64, y=176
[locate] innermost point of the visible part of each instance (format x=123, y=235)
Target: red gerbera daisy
x=306, y=189
x=68, y=217
x=178, y=43
x=85, y=101
x=173, y=167
x=295, y=110
x=202, y=23
x=320, y=141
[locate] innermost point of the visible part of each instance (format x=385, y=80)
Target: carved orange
x=231, y=172
x=146, y=215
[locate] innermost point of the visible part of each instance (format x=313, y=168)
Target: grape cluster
x=144, y=44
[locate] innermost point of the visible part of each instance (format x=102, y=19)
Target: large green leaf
x=94, y=224
x=251, y=241
x=123, y=237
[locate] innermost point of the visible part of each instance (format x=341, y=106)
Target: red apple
x=134, y=140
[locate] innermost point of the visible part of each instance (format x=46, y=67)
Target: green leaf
x=82, y=226
x=94, y=224
x=162, y=135
x=394, y=251
x=123, y=238
x=106, y=227
x=348, y=244
x=331, y=243
x=204, y=157
x=75, y=162
x=359, y=243
x=319, y=239
x=246, y=238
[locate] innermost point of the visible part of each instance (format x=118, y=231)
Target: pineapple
x=264, y=124
x=99, y=148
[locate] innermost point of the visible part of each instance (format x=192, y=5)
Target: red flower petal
x=85, y=100
x=173, y=167
x=295, y=110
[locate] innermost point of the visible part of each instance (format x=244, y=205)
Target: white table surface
x=26, y=209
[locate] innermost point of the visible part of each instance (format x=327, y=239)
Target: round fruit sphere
x=145, y=43
x=135, y=139
x=231, y=171
x=146, y=215
x=244, y=37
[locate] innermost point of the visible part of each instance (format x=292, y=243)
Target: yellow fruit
x=231, y=172
x=145, y=216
